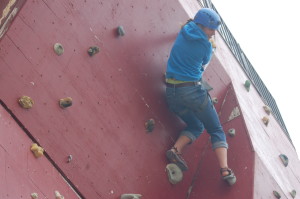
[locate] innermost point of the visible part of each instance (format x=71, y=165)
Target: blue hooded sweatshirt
x=190, y=52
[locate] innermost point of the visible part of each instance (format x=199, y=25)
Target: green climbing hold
x=293, y=193
x=284, y=159
x=121, y=31
x=247, y=85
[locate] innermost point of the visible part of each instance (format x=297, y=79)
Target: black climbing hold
x=93, y=50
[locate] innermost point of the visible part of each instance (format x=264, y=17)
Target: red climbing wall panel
x=21, y=173
x=208, y=181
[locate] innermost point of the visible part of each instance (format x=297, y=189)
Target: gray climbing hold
x=231, y=132
x=65, y=102
x=70, y=158
x=284, y=159
x=131, y=196
x=265, y=120
x=93, y=50
x=175, y=174
x=247, y=85
x=214, y=100
x=58, y=49
x=276, y=194
x=149, y=125
x=267, y=109
x=121, y=31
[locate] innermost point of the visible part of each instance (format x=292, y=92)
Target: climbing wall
x=100, y=144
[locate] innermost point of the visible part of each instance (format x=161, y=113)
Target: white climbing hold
x=234, y=113
x=174, y=173
x=131, y=196
x=34, y=196
x=58, y=49
x=231, y=132
x=58, y=195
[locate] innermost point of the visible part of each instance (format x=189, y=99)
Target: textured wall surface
x=114, y=93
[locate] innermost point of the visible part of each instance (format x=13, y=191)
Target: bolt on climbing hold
x=58, y=195
x=93, y=50
x=131, y=196
x=267, y=109
x=58, y=49
x=37, y=150
x=214, y=100
x=276, y=194
x=65, y=102
x=231, y=132
x=175, y=174
x=247, y=85
x=34, y=196
x=293, y=193
x=26, y=102
x=70, y=157
x=265, y=120
x=121, y=31
x=284, y=159
x=150, y=124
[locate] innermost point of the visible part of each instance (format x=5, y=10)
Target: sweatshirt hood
x=192, y=31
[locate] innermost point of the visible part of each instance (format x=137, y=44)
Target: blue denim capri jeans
x=194, y=106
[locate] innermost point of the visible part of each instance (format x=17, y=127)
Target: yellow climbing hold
x=265, y=120
x=26, y=102
x=37, y=150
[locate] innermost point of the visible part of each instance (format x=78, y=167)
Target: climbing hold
x=231, y=132
x=276, y=194
x=26, y=102
x=70, y=157
x=121, y=31
x=234, y=113
x=174, y=173
x=93, y=50
x=150, y=124
x=58, y=49
x=65, y=102
x=58, y=195
x=214, y=100
x=293, y=193
x=213, y=43
x=267, y=109
x=247, y=85
x=34, y=196
x=37, y=150
x=265, y=120
x=131, y=196
x=284, y=159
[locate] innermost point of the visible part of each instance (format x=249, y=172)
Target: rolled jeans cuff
x=221, y=144
x=189, y=135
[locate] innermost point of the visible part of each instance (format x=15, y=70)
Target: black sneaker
x=176, y=159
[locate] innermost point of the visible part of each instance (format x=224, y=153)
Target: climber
x=185, y=94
